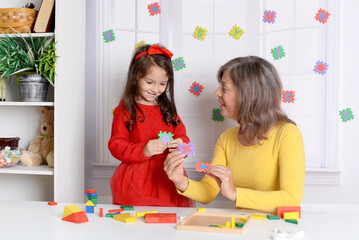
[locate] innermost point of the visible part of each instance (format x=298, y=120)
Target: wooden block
x=142, y=214
x=201, y=210
x=126, y=218
x=294, y=221
x=239, y=224
x=233, y=222
x=161, y=218
x=281, y=210
x=101, y=212
x=77, y=217
x=90, y=191
x=290, y=215
x=115, y=210
x=205, y=222
x=243, y=219
x=127, y=207
x=109, y=215
x=258, y=216
x=272, y=217
x=52, y=203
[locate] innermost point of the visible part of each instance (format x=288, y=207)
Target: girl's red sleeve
x=180, y=132
x=119, y=144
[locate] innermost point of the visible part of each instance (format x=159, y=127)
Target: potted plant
x=32, y=60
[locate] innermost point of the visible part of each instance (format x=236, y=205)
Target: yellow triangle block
x=70, y=209
x=258, y=216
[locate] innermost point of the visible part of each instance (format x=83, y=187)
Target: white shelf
x=27, y=104
x=26, y=35
x=19, y=169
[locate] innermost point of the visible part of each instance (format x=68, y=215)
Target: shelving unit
x=64, y=182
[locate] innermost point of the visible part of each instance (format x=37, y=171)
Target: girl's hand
x=173, y=166
x=224, y=178
x=174, y=144
x=154, y=147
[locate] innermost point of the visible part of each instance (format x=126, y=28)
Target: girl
x=144, y=110
x=260, y=163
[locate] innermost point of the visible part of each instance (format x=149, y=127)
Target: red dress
x=141, y=180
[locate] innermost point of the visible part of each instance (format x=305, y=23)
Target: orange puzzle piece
x=161, y=218
x=281, y=210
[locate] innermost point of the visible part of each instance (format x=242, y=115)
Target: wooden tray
x=200, y=222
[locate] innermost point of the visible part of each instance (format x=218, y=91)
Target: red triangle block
x=78, y=217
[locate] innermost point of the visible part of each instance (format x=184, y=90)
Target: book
x=44, y=17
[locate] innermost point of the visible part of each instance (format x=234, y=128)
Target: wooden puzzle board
x=200, y=221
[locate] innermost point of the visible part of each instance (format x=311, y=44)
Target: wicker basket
x=20, y=19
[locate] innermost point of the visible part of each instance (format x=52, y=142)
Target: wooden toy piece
x=52, y=203
x=142, y=214
x=90, y=207
x=294, y=221
x=212, y=226
x=200, y=221
x=201, y=210
x=202, y=166
x=161, y=218
x=239, y=224
x=101, y=212
x=228, y=224
x=258, y=216
x=281, y=210
x=73, y=213
x=115, y=213
x=272, y=217
x=115, y=210
x=243, y=219
x=126, y=218
x=109, y=215
x=127, y=207
x=233, y=225
x=290, y=215
x=90, y=191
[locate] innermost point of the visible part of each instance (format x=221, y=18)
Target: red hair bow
x=155, y=49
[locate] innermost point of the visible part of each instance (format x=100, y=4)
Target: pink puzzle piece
x=202, y=167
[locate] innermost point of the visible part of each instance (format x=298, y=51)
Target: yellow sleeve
x=207, y=189
x=291, y=177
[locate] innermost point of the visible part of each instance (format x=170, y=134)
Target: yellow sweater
x=266, y=176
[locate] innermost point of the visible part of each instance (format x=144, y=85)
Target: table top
x=38, y=220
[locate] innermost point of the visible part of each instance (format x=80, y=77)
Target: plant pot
x=33, y=87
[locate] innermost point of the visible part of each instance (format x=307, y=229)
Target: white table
x=37, y=220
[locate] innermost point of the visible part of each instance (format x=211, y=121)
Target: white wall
x=348, y=152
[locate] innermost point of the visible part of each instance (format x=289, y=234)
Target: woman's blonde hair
x=259, y=95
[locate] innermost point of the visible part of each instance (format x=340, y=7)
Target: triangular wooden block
x=70, y=209
x=78, y=217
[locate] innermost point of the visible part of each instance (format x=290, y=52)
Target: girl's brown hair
x=259, y=95
x=137, y=70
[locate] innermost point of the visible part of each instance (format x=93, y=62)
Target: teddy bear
x=41, y=148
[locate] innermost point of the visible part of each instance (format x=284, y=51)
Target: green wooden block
x=212, y=226
x=294, y=221
x=109, y=215
x=272, y=217
x=127, y=207
x=239, y=224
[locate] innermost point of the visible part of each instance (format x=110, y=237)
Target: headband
x=155, y=49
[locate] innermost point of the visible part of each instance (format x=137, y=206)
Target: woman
x=259, y=164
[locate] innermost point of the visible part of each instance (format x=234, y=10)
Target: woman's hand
x=173, y=166
x=154, y=147
x=174, y=144
x=224, y=178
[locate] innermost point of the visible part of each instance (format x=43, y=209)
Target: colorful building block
x=233, y=222
x=90, y=191
x=201, y=210
x=281, y=210
x=52, y=203
x=243, y=219
x=90, y=207
x=101, y=212
x=272, y=217
x=239, y=224
x=127, y=207
x=109, y=215
x=74, y=214
x=143, y=214
x=294, y=221
x=258, y=216
x=161, y=218
x=115, y=210
x=126, y=218
x=290, y=215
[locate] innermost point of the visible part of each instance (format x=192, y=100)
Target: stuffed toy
x=41, y=148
